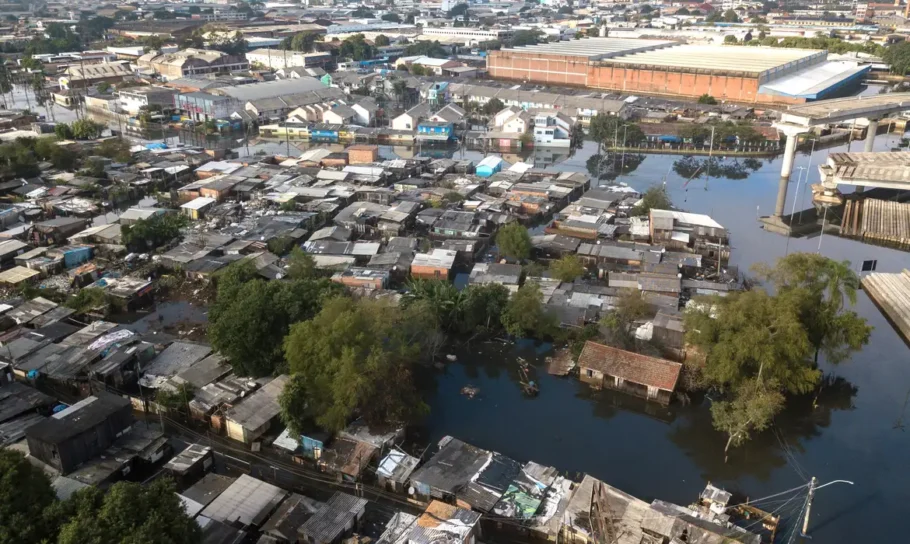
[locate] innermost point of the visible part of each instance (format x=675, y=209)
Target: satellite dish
x=411, y=490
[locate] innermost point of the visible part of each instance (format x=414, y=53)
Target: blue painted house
x=435, y=131
x=488, y=166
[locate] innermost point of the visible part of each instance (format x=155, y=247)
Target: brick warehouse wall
x=575, y=71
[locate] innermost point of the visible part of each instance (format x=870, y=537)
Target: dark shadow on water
x=766, y=452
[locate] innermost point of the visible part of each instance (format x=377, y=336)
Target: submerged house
x=634, y=373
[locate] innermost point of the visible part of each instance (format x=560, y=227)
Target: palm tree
x=446, y=301
x=400, y=89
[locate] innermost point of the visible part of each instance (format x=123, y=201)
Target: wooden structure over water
x=883, y=222
x=891, y=293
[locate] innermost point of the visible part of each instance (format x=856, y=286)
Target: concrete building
x=200, y=106
x=189, y=62
x=135, y=98
x=740, y=74
x=466, y=35
x=276, y=59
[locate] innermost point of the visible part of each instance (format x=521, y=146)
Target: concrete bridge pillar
x=786, y=169
x=870, y=135
x=868, y=144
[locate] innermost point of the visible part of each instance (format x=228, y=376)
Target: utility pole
x=811, y=495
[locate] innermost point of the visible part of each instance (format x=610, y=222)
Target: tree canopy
x=251, y=316
x=527, y=37
x=355, y=358
x=525, y=315
x=25, y=494
x=656, y=197
x=822, y=290
x=128, y=512
x=567, y=268
x=514, y=241
x=381, y=40
x=898, y=57
x=426, y=48
x=356, y=47
x=157, y=230
x=606, y=128
x=493, y=106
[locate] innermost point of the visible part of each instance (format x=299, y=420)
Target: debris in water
x=470, y=391
x=451, y=357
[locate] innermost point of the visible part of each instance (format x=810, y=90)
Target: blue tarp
x=156, y=145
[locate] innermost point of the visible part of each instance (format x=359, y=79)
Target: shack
x=338, y=518
x=81, y=432
x=247, y=502
x=248, y=420
x=640, y=375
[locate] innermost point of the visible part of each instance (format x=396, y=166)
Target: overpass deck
x=844, y=109
x=890, y=170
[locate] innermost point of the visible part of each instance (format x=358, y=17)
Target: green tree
x=525, y=316
x=229, y=45
x=821, y=289
x=482, y=308
x=752, y=409
x=493, y=106
x=149, y=234
x=88, y=299
x=25, y=494
x=301, y=265
x=63, y=131
x=897, y=56
x=390, y=17
x=707, y=99
x=730, y=16
x=527, y=37
x=356, y=48
x=514, y=241
x=426, y=48
x=153, y=43
x=400, y=90
x=605, y=129
x=355, y=357
x=117, y=149
x=381, y=41
x=418, y=70
x=459, y=10
x=444, y=299
x=362, y=12
x=128, y=512
x=84, y=129
x=730, y=39
x=567, y=268
x=176, y=400
x=656, y=197
x=621, y=321
x=303, y=41
x=251, y=316
x=103, y=87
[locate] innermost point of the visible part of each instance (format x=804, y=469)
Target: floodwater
x=854, y=431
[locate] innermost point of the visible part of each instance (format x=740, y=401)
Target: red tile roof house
x=633, y=373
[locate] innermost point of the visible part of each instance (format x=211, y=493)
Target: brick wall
x=573, y=71
x=429, y=272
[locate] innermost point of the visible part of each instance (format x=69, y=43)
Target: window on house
x=589, y=372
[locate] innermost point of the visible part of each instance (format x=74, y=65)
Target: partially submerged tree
x=525, y=315
x=752, y=409
x=822, y=289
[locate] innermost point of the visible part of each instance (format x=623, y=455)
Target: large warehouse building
x=741, y=74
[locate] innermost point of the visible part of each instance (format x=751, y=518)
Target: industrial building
x=741, y=74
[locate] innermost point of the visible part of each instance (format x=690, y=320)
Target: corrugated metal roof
x=333, y=519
